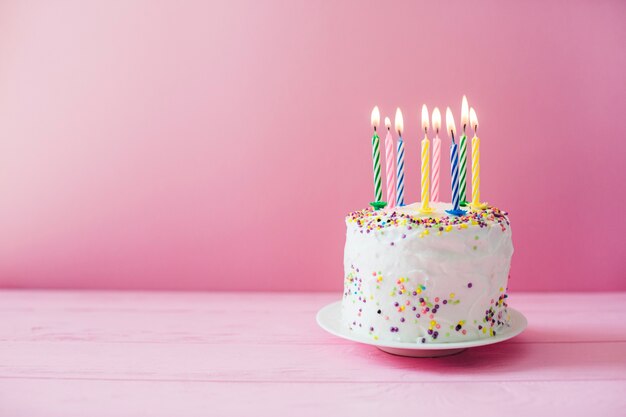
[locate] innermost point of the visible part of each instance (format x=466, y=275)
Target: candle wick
x=374, y=128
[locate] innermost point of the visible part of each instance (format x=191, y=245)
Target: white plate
x=329, y=319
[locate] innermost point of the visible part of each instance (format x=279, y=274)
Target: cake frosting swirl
x=426, y=278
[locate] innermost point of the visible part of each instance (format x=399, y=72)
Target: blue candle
x=463, y=153
x=400, y=190
x=454, y=166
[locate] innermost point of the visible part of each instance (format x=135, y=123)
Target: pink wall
x=197, y=145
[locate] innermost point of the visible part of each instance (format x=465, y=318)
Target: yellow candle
x=425, y=163
x=475, y=161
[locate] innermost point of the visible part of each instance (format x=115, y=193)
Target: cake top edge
x=411, y=216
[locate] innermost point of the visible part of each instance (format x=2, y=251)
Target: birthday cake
x=427, y=272
x=433, y=278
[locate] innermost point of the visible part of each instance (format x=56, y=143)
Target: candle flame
x=399, y=121
x=436, y=119
x=375, y=117
x=425, y=118
x=464, y=113
x=387, y=123
x=473, y=120
x=450, y=123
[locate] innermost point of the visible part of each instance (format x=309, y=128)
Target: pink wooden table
x=257, y=354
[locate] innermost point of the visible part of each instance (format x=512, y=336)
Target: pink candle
x=391, y=166
x=436, y=155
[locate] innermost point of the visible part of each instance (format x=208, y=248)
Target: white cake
x=426, y=278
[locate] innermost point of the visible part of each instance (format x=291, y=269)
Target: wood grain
x=128, y=353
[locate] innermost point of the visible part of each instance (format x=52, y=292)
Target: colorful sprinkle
x=370, y=220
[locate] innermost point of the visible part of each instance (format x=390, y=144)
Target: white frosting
x=462, y=268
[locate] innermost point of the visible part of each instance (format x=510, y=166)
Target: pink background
x=199, y=145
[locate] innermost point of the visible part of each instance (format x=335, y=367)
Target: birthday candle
x=475, y=160
x=391, y=166
x=378, y=191
x=436, y=155
x=425, y=162
x=454, y=160
x=400, y=168
x=463, y=153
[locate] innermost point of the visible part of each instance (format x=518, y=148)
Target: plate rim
x=519, y=320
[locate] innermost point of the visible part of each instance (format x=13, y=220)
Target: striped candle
x=425, y=163
x=425, y=173
x=400, y=168
x=463, y=153
x=378, y=189
x=436, y=155
x=454, y=162
x=463, y=169
x=475, y=160
x=400, y=173
x=391, y=166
